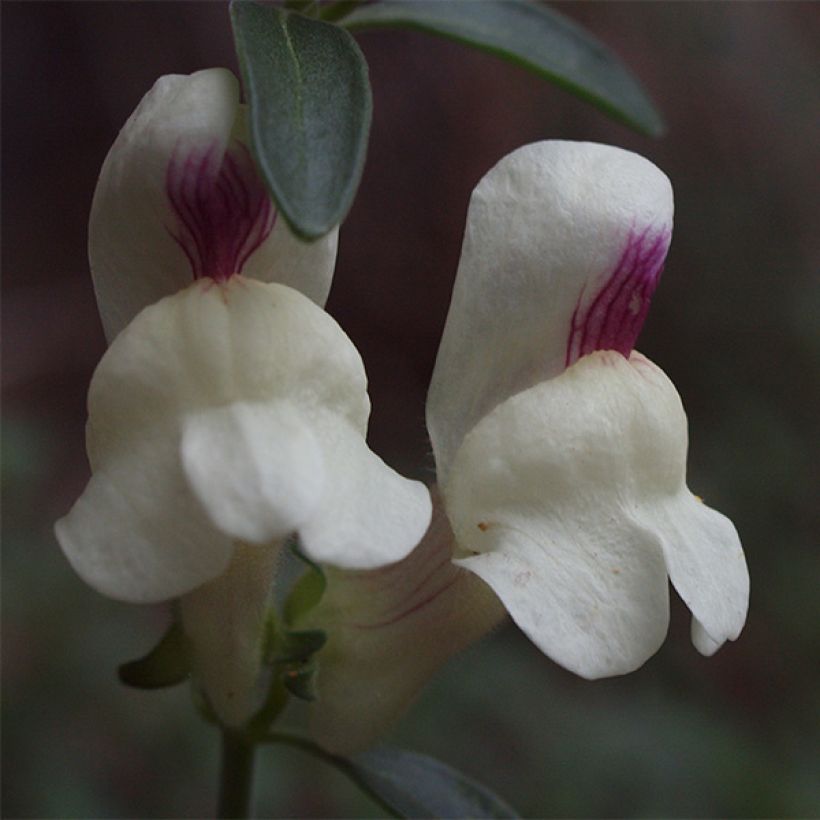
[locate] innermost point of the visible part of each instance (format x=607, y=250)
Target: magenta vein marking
x=615, y=316
x=222, y=210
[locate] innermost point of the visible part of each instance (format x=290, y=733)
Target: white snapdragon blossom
x=560, y=454
x=561, y=451
x=229, y=410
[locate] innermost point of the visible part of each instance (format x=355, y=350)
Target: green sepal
x=533, y=36
x=310, y=107
x=306, y=592
x=301, y=682
x=165, y=665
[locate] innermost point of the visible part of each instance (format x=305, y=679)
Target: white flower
x=560, y=451
x=230, y=410
x=560, y=455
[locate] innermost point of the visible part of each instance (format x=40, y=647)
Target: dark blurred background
x=734, y=324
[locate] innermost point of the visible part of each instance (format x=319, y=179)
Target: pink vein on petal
x=615, y=316
x=223, y=212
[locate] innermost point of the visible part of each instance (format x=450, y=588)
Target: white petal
x=553, y=232
x=286, y=259
x=215, y=344
x=369, y=515
x=571, y=495
x=592, y=595
x=389, y=631
x=706, y=565
x=703, y=641
x=135, y=259
x=256, y=468
x=136, y=533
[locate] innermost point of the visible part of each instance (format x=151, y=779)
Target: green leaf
x=408, y=784
x=533, y=36
x=310, y=108
x=165, y=665
x=415, y=785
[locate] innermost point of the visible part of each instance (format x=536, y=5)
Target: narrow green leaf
x=416, y=785
x=408, y=784
x=533, y=36
x=310, y=107
x=165, y=665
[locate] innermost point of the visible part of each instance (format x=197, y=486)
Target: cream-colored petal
x=135, y=259
x=389, y=630
x=136, y=533
x=592, y=595
x=256, y=468
x=706, y=565
x=563, y=245
x=225, y=623
x=266, y=398
x=286, y=259
x=215, y=344
x=368, y=515
x=569, y=500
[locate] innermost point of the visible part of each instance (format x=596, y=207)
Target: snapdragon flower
x=560, y=454
x=560, y=450
x=229, y=410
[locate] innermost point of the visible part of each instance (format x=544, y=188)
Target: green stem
x=236, y=779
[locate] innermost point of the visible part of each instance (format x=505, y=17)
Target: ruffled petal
x=256, y=468
x=135, y=258
x=136, y=533
x=563, y=246
x=389, y=630
x=369, y=515
x=569, y=501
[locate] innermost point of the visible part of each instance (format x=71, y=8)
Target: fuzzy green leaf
x=533, y=36
x=310, y=105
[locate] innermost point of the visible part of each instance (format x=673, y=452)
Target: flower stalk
x=236, y=775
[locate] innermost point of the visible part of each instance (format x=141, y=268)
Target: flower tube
x=229, y=410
